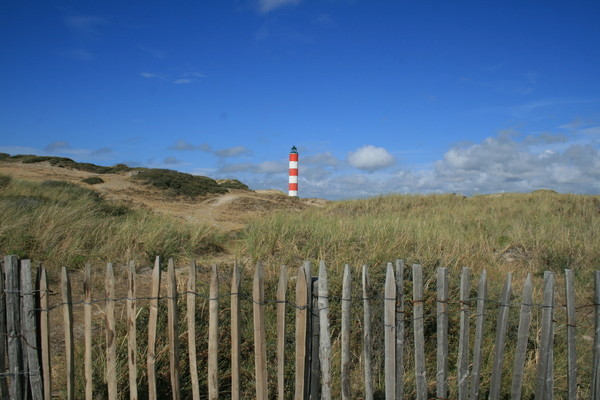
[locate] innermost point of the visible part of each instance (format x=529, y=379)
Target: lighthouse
x=293, y=176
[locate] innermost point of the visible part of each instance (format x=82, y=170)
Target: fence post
x=522, y=335
x=346, y=298
x=301, y=333
x=419, y=333
x=389, y=322
x=399, y=329
x=111, y=334
x=545, y=339
x=152, y=325
x=367, y=346
x=324, y=335
x=132, y=332
x=13, y=325
x=29, y=331
x=172, y=329
x=191, y=325
x=480, y=317
x=315, y=329
x=442, y=334
x=3, y=336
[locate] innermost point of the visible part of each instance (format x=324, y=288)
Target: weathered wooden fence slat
x=442, y=333
x=235, y=332
x=389, y=324
x=419, y=333
x=281, y=324
x=367, y=345
x=324, y=335
x=152, y=326
x=545, y=339
x=68, y=324
x=213, y=335
x=522, y=338
x=132, y=331
x=345, y=344
x=478, y=342
x=13, y=326
x=301, y=332
x=3, y=336
x=111, y=333
x=172, y=321
x=191, y=331
x=399, y=329
x=87, y=322
x=29, y=331
x=260, y=339
x=571, y=331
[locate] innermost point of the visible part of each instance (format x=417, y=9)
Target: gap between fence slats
x=111, y=334
x=152, y=325
x=345, y=344
x=281, y=323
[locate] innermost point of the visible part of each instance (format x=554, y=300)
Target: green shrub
x=93, y=180
x=179, y=183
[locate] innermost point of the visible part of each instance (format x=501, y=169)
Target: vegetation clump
x=93, y=180
x=64, y=162
x=180, y=183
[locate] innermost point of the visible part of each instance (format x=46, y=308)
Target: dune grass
x=59, y=223
x=63, y=224
x=509, y=232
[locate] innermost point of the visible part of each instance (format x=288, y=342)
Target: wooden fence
x=25, y=321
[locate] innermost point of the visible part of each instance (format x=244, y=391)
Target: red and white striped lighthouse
x=293, y=181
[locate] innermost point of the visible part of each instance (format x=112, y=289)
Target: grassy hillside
x=59, y=223
x=509, y=232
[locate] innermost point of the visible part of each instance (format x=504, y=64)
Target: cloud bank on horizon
x=378, y=97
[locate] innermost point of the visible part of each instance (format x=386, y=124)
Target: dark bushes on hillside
x=179, y=183
x=93, y=180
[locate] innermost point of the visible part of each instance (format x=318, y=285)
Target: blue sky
x=378, y=96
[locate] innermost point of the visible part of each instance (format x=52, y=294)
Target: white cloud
x=266, y=6
x=371, y=158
